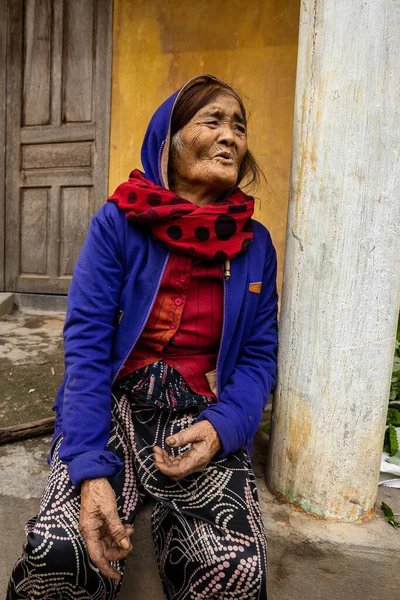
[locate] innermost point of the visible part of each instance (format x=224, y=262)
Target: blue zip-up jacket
x=115, y=283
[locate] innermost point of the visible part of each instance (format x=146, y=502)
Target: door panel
x=75, y=210
x=77, y=61
x=34, y=227
x=46, y=156
x=37, y=52
x=58, y=102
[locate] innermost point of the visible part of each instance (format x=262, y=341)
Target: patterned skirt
x=207, y=528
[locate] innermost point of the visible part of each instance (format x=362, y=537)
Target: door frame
x=105, y=30
x=3, y=47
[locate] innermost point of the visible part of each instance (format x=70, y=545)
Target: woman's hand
x=205, y=445
x=106, y=537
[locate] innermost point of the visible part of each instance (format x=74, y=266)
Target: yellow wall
x=250, y=44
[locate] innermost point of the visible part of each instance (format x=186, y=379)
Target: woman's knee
x=47, y=568
x=54, y=554
x=250, y=576
x=241, y=573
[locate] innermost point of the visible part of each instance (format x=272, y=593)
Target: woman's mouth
x=224, y=156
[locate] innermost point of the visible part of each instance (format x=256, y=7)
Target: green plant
x=391, y=444
x=390, y=515
x=395, y=388
x=267, y=427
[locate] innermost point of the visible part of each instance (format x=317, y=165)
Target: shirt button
x=182, y=278
x=173, y=326
x=178, y=302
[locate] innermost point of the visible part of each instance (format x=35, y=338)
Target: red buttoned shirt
x=185, y=325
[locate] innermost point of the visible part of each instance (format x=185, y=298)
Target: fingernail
x=125, y=543
x=171, y=441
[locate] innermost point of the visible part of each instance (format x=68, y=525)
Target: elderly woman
x=170, y=355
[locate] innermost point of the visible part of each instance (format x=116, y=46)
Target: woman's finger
x=162, y=456
x=96, y=553
x=194, y=433
x=115, y=528
x=115, y=553
x=182, y=466
x=129, y=529
x=158, y=453
x=108, y=541
x=111, y=550
x=164, y=459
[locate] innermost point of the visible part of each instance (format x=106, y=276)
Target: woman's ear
x=174, y=158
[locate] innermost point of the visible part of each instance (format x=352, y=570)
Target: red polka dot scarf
x=216, y=231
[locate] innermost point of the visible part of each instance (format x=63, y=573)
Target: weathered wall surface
x=250, y=44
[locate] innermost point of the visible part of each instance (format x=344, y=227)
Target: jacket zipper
x=222, y=333
x=159, y=163
x=146, y=318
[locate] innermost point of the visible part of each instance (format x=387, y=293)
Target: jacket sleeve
x=238, y=411
x=93, y=300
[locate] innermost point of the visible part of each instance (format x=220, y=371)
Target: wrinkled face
x=211, y=147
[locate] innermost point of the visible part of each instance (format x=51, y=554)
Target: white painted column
x=341, y=291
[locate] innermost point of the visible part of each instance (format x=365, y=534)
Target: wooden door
x=58, y=104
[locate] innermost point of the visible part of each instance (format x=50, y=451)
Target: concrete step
x=7, y=300
x=32, y=303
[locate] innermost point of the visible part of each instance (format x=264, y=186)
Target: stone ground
x=31, y=366
x=309, y=559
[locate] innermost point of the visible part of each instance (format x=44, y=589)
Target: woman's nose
x=226, y=136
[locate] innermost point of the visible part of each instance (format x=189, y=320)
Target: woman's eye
x=212, y=122
x=241, y=128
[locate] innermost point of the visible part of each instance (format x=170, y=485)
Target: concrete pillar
x=341, y=286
